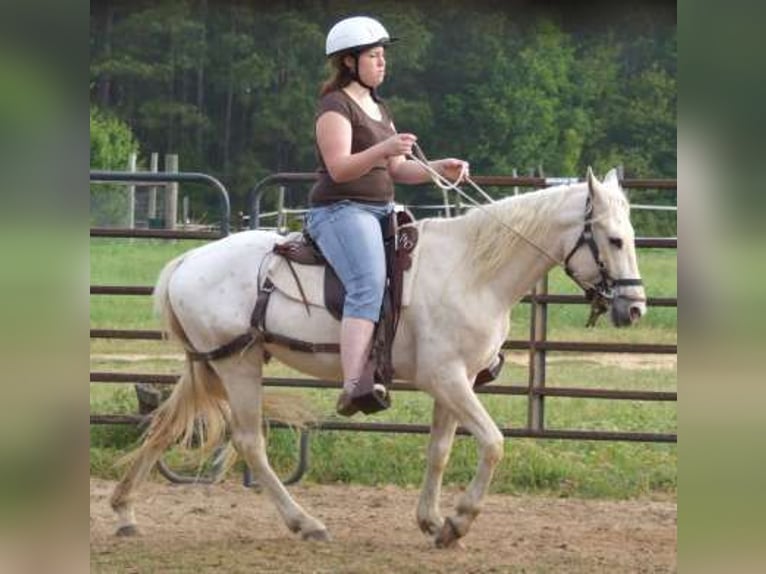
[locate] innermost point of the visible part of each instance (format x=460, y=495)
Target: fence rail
x=255, y=194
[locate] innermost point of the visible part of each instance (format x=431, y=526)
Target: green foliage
x=111, y=143
x=231, y=87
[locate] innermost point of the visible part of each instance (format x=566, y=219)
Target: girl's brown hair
x=340, y=75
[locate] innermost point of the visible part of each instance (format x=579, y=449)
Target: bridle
x=600, y=295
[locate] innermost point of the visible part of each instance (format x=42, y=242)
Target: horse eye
x=616, y=241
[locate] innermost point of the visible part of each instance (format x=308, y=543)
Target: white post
x=281, y=218
x=171, y=192
x=151, y=210
x=445, y=194
x=186, y=210
x=132, y=160
x=515, y=173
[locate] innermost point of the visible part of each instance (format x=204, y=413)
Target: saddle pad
x=312, y=277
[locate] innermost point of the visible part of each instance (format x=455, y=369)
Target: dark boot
x=368, y=396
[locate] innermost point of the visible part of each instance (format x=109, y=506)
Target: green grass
x=128, y=262
x=563, y=468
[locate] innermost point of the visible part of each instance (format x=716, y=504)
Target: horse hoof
x=127, y=531
x=430, y=527
x=317, y=536
x=448, y=536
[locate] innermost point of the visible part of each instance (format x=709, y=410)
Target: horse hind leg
x=174, y=418
x=123, y=496
x=443, y=428
x=246, y=403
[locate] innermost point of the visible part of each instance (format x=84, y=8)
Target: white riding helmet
x=356, y=33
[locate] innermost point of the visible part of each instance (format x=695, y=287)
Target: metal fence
x=276, y=182
x=536, y=345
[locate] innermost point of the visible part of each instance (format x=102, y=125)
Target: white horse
x=471, y=270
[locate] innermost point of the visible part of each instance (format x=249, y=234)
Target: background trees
x=231, y=86
x=111, y=143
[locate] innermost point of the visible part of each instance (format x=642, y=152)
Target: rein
x=600, y=295
x=444, y=184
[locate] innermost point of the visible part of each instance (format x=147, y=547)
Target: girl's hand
x=455, y=170
x=399, y=144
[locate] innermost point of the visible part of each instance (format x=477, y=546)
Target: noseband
x=601, y=294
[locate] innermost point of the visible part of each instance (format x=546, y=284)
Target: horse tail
x=197, y=411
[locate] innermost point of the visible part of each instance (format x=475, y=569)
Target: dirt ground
x=227, y=528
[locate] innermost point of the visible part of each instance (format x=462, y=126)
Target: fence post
x=515, y=173
x=185, y=217
x=132, y=160
x=171, y=192
x=538, y=332
x=151, y=208
x=281, y=216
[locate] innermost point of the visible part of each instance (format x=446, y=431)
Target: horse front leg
x=443, y=428
x=457, y=395
x=242, y=378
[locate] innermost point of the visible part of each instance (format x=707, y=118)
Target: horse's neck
x=523, y=245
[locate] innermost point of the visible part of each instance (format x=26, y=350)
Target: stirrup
x=375, y=400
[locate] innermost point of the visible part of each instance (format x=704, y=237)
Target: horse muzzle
x=627, y=311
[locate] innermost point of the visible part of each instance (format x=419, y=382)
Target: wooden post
x=171, y=192
x=515, y=173
x=445, y=194
x=538, y=329
x=185, y=218
x=281, y=218
x=151, y=209
x=132, y=160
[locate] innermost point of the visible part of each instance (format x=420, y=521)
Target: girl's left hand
x=455, y=170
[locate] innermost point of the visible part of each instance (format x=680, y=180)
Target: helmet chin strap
x=358, y=80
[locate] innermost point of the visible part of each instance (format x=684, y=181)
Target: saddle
x=400, y=238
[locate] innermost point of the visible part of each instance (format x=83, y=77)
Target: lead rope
x=443, y=183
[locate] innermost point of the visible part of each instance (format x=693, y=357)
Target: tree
x=111, y=143
x=232, y=86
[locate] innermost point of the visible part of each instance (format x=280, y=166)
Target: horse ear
x=596, y=189
x=611, y=178
x=593, y=183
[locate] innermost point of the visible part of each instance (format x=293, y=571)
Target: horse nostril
x=635, y=312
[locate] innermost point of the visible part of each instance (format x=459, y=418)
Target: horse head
x=603, y=260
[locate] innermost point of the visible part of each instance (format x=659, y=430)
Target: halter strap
x=599, y=294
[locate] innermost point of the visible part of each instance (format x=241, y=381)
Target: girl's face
x=372, y=66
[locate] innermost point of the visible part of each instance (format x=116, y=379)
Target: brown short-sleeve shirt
x=374, y=186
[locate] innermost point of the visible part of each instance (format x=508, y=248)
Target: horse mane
x=497, y=228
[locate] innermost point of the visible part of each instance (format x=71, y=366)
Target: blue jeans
x=351, y=239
